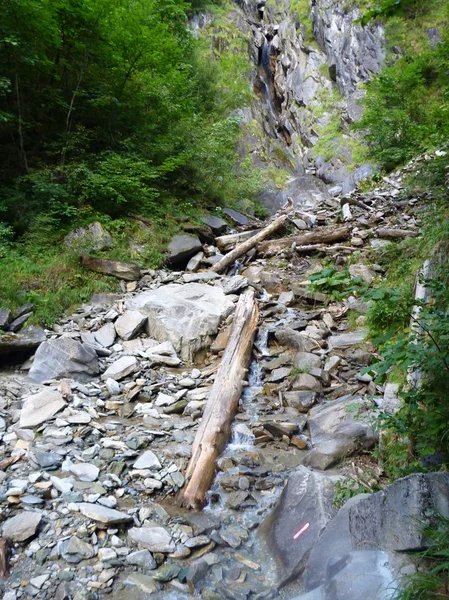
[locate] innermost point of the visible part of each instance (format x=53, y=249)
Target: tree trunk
x=215, y=426
x=244, y=247
x=323, y=235
x=385, y=232
x=227, y=242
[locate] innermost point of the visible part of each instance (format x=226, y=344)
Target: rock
x=344, y=340
x=129, y=324
x=5, y=318
x=74, y=550
x=235, y=284
x=26, y=341
x=84, y=239
x=306, y=361
x=187, y=315
x=394, y=518
x=166, y=573
x=279, y=374
x=362, y=272
x=391, y=402
x=295, y=339
x=21, y=527
x=338, y=429
x=327, y=556
x=236, y=217
x=155, y=539
x=296, y=523
x=302, y=400
x=18, y=323
x=105, y=336
x=121, y=270
x=85, y=471
x=40, y=408
x=142, y=558
x=182, y=247
x=356, y=575
x=197, y=571
x=195, y=262
x=306, y=382
x=102, y=514
x=64, y=358
x=148, y=460
x=143, y=582
x=217, y=225
x=121, y=368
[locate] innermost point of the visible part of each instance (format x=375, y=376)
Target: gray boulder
x=64, y=357
x=115, y=268
x=24, y=342
x=84, y=239
x=187, y=315
x=129, y=324
x=356, y=576
x=394, y=518
x=21, y=527
x=183, y=247
x=295, y=525
x=5, y=318
x=299, y=340
x=236, y=217
x=217, y=225
x=338, y=429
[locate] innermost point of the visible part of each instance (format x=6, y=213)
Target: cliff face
x=309, y=71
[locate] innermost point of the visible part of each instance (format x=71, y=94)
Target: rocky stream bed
x=96, y=433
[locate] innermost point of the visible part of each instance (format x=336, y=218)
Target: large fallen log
x=244, y=247
x=215, y=426
x=386, y=232
x=317, y=248
x=322, y=235
x=227, y=242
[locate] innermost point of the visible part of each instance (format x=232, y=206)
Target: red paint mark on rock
x=301, y=530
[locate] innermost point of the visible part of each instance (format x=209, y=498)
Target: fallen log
x=323, y=235
x=385, y=232
x=5, y=552
x=324, y=249
x=116, y=268
x=215, y=426
x=227, y=242
x=244, y=247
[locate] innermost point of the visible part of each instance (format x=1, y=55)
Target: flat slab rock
x=294, y=526
x=22, y=526
x=338, y=429
x=64, y=358
x=155, y=539
x=40, y=408
x=393, y=518
x=105, y=515
x=187, y=315
x=26, y=340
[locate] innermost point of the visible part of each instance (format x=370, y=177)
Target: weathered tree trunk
x=227, y=242
x=311, y=248
x=323, y=235
x=244, y=247
x=385, y=232
x=5, y=551
x=215, y=426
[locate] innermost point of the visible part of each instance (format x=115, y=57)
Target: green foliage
x=407, y=104
x=431, y=581
x=337, y=284
x=349, y=487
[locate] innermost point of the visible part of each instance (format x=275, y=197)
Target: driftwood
x=324, y=249
x=244, y=247
x=116, y=268
x=385, y=232
x=215, y=426
x=5, y=551
x=227, y=242
x=7, y=462
x=323, y=235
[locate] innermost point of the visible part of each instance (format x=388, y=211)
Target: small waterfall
x=267, y=80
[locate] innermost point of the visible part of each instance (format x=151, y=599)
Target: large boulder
x=24, y=342
x=40, y=408
x=84, y=239
x=181, y=248
x=338, y=429
x=64, y=357
x=217, y=225
x=187, y=315
x=394, y=518
x=355, y=576
x=297, y=522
